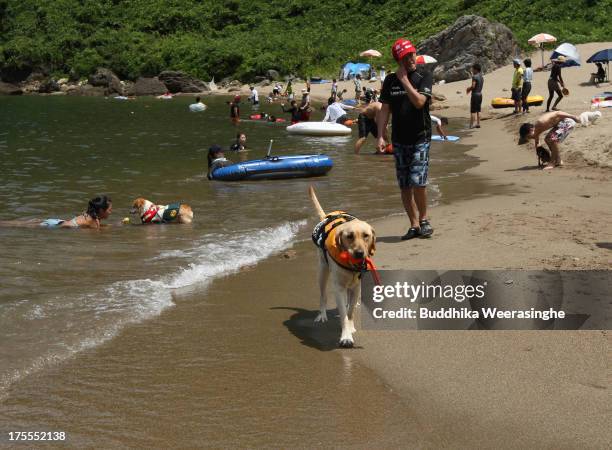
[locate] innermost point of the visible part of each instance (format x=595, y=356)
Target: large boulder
x=149, y=86
x=49, y=86
x=9, y=89
x=471, y=39
x=177, y=81
x=273, y=75
x=106, y=79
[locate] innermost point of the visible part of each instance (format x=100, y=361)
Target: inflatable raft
x=319, y=129
x=505, y=102
x=275, y=167
x=197, y=107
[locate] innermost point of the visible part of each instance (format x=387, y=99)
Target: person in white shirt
x=439, y=123
x=254, y=98
x=335, y=112
x=527, y=79
x=383, y=74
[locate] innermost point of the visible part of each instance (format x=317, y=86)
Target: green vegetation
x=244, y=38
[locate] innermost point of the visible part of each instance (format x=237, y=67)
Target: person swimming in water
x=216, y=160
x=98, y=209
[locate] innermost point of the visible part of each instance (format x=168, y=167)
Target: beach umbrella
x=602, y=56
x=572, y=57
x=539, y=40
x=425, y=59
x=371, y=54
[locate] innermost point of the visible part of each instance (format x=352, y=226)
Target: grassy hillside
x=244, y=38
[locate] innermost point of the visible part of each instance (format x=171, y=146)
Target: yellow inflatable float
x=505, y=102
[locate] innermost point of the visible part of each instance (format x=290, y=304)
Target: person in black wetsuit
x=553, y=83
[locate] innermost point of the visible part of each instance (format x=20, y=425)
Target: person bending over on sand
x=341, y=94
x=517, y=85
x=296, y=114
x=406, y=95
x=439, y=122
x=216, y=159
x=560, y=125
x=367, y=125
x=335, y=112
x=476, y=98
x=554, y=81
x=98, y=209
x=240, y=144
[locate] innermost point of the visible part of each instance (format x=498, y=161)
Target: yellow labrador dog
x=152, y=213
x=346, y=245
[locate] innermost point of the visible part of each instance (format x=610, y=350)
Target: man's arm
x=415, y=97
x=382, y=119
x=471, y=88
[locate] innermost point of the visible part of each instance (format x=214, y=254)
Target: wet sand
x=245, y=368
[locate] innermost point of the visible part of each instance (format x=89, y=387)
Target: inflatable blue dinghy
x=275, y=167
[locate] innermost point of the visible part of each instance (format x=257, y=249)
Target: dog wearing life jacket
x=152, y=213
x=346, y=245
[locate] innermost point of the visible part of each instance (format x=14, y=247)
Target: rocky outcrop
x=87, y=90
x=149, y=86
x=107, y=80
x=471, y=39
x=176, y=81
x=273, y=75
x=49, y=86
x=9, y=89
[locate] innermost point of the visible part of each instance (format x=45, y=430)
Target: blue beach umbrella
x=602, y=56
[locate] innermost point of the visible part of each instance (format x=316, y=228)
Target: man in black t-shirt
x=406, y=95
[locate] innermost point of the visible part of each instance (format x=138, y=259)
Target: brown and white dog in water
x=346, y=245
x=152, y=213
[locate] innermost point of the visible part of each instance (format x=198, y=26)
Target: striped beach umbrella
x=539, y=40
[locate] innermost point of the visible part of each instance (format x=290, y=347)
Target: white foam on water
x=71, y=325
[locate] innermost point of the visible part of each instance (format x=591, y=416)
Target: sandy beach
x=509, y=389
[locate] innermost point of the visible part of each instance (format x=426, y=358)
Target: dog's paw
x=351, y=328
x=321, y=317
x=346, y=343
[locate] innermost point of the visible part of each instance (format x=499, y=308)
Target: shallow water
x=66, y=292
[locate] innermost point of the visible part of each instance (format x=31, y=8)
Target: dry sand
x=508, y=389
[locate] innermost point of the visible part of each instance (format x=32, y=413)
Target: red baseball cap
x=401, y=48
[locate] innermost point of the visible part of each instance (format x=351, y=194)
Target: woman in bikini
x=98, y=209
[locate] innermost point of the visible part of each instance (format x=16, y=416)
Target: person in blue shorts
x=406, y=95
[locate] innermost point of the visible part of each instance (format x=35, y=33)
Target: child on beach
x=560, y=125
x=476, y=98
x=439, y=122
x=357, y=82
x=334, y=89
x=527, y=79
x=517, y=85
